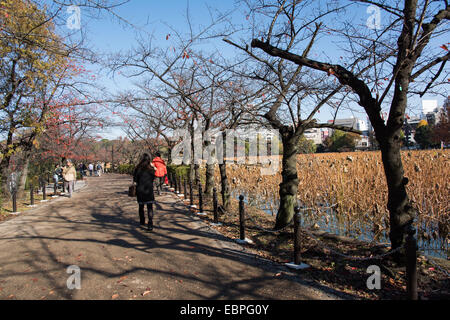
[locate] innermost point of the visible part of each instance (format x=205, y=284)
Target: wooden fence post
x=297, y=242
x=411, y=263
x=215, y=207
x=241, y=217
x=200, y=196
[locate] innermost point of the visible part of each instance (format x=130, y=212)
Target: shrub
x=125, y=169
x=179, y=170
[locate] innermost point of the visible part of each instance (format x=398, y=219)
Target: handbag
x=132, y=190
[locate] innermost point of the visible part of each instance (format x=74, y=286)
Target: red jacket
x=160, y=166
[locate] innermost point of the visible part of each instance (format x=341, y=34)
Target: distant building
x=314, y=135
x=353, y=123
x=326, y=133
x=357, y=124
x=363, y=143
x=429, y=106
x=431, y=111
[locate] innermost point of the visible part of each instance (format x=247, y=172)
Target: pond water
x=333, y=223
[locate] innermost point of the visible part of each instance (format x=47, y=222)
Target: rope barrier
x=255, y=225
x=433, y=262
x=319, y=242
x=347, y=256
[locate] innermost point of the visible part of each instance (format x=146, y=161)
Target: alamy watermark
x=374, y=20
x=73, y=22
x=74, y=280
x=374, y=281
x=229, y=146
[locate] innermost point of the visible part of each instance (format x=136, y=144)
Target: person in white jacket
x=90, y=168
x=70, y=176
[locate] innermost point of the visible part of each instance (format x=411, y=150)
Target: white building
x=429, y=106
x=314, y=135
x=354, y=123
x=363, y=143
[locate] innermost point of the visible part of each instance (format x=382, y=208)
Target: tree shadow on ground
x=109, y=220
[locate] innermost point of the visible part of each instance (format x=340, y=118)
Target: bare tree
x=291, y=96
x=406, y=58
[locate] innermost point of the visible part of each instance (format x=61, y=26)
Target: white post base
x=201, y=213
x=245, y=241
x=216, y=224
x=300, y=266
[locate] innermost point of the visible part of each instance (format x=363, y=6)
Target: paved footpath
x=98, y=231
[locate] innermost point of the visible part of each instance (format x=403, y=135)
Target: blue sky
x=108, y=35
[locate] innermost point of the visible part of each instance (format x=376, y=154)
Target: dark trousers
x=159, y=184
x=149, y=213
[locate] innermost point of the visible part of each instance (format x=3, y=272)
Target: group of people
x=67, y=174
x=147, y=173
x=94, y=169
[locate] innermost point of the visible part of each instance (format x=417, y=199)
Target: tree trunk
x=23, y=178
x=209, y=179
x=4, y=166
x=401, y=213
x=209, y=172
x=289, y=184
x=169, y=155
x=196, y=173
x=225, y=186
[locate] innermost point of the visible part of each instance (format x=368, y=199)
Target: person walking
x=160, y=172
x=80, y=169
x=91, y=168
x=69, y=175
x=56, y=174
x=99, y=169
x=84, y=170
x=143, y=176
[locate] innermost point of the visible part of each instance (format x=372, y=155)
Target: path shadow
x=174, y=236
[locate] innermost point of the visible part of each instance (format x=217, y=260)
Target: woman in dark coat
x=144, y=174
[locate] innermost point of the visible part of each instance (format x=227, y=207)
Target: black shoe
x=150, y=226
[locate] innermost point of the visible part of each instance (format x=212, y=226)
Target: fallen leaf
x=145, y=293
x=115, y=296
